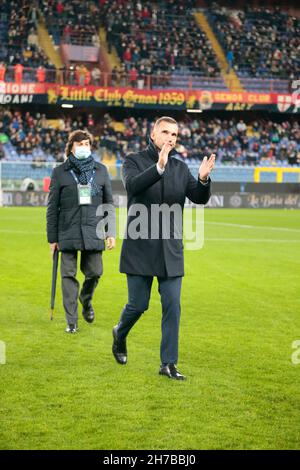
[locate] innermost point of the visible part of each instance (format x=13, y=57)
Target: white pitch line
x=22, y=232
x=256, y=240
x=285, y=229
x=10, y=219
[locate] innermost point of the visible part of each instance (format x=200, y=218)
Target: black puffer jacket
x=72, y=226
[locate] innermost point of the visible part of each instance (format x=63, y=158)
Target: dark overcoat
x=72, y=226
x=159, y=255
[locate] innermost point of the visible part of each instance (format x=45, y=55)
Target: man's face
x=164, y=132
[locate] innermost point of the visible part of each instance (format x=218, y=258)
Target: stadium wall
x=225, y=195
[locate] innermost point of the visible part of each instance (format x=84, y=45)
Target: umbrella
x=54, y=277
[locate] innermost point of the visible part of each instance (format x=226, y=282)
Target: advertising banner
x=168, y=99
x=217, y=200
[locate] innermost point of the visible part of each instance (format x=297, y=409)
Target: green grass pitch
x=240, y=317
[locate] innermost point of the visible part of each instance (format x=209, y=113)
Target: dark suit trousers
x=139, y=290
x=91, y=267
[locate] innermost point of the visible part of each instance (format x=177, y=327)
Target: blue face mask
x=82, y=153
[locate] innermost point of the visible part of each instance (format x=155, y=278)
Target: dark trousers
x=139, y=290
x=91, y=267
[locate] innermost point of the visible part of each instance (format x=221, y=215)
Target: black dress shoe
x=170, y=370
x=87, y=311
x=119, y=348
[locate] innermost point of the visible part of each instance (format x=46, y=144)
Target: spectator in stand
x=133, y=74
x=127, y=57
x=2, y=71
x=33, y=16
x=80, y=74
x=114, y=76
x=60, y=7
x=32, y=39
x=41, y=74
x=68, y=30
x=2, y=154
x=95, y=40
x=90, y=122
x=140, y=80
x=229, y=58
x=123, y=76
x=96, y=76
x=87, y=80
x=18, y=70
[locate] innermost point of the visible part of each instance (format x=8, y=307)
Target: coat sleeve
x=53, y=209
x=110, y=229
x=107, y=190
x=196, y=191
x=136, y=181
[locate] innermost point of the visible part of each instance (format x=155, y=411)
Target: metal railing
x=165, y=79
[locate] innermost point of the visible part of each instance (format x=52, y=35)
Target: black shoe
x=87, y=311
x=71, y=328
x=170, y=370
x=119, y=348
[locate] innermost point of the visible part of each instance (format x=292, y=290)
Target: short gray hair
x=165, y=119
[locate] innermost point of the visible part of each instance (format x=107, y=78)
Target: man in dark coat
x=152, y=177
x=79, y=188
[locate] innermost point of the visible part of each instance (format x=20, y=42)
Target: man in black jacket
x=152, y=178
x=79, y=188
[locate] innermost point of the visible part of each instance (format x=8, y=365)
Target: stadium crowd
x=19, y=47
x=152, y=39
x=233, y=140
x=74, y=22
x=259, y=42
x=157, y=40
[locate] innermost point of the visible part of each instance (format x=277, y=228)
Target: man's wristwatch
x=203, y=181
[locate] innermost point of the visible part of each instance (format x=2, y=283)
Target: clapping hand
x=207, y=165
x=164, y=155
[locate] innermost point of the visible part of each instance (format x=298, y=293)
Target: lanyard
x=76, y=179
